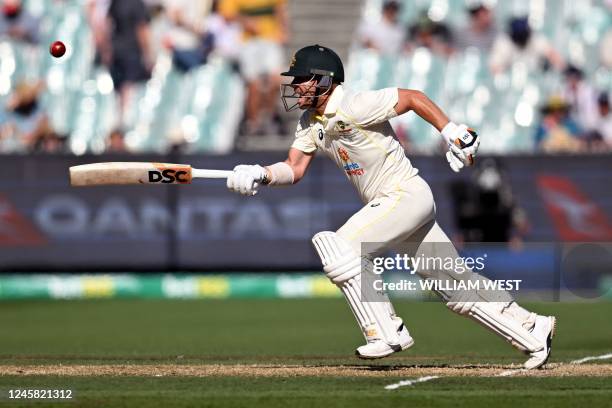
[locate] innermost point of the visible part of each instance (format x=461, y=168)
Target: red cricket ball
x=57, y=49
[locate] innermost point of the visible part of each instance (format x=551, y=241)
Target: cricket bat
x=122, y=173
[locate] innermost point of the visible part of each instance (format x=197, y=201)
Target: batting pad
x=492, y=316
x=497, y=312
x=342, y=266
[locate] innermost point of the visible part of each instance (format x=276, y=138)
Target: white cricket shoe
x=379, y=349
x=543, y=330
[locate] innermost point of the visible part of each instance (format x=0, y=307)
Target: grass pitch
x=281, y=352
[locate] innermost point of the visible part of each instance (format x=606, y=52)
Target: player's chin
x=304, y=103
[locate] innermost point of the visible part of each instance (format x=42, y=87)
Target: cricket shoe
x=378, y=348
x=543, y=330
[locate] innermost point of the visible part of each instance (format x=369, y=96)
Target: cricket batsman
x=353, y=130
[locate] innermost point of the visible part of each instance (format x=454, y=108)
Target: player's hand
x=463, y=144
x=454, y=162
x=245, y=179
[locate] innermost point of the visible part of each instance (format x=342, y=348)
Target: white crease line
x=580, y=361
x=591, y=358
x=506, y=373
x=410, y=382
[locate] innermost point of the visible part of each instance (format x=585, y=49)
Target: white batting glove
x=245, y=179
x=454, y=162
x=463, y=144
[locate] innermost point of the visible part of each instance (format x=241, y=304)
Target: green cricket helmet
x=313, y=62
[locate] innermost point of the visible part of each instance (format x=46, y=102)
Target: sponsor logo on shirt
x=342, y=127
x=351, y=168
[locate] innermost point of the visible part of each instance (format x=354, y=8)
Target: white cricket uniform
x=355, y=133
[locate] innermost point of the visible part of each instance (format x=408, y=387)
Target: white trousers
x=404, y=220
x=399, y=216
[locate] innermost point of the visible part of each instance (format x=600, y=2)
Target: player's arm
x=413, y=100
x=298, y=161
x=290, y=171
x=246, y=179
x=463, y=142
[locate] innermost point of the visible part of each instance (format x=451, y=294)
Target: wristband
x=449, y=132
x=282, y=174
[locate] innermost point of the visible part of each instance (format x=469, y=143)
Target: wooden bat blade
x=121, y=173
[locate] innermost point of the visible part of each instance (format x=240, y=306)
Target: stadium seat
x=505, y=107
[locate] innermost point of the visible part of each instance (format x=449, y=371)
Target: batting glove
x=463, y=144
x=245, y=179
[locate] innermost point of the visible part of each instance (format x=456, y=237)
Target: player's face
x=302, y=90
x=305, y=89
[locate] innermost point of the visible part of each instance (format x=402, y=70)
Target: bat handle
x=211, y=174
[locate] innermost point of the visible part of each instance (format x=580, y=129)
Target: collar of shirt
x=332, y=105
x=334, y=101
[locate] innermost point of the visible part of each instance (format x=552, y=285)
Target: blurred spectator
x=186, y=37
x=603, y=126
x=116, y=142
x=17, y=24
x=581, y=97
x=480, y=31
x=187, y=59
x=557, y=132
x=50, y=142
x=186, y=17
x=217, y=34
x=485, y=208
x=97, y=17
x=131, y=59
x=519, y=44
x=605, y=49
x=264, y=23
x=227, y=34
x=385, y=36
x=24, y=121
x=436, y=36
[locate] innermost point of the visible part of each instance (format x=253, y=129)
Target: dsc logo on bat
x=168, y=176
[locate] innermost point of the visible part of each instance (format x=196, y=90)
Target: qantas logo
x=575, y=216
x=15, y=229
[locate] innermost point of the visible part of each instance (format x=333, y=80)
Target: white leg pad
x=342, y=265
x=492, y=316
